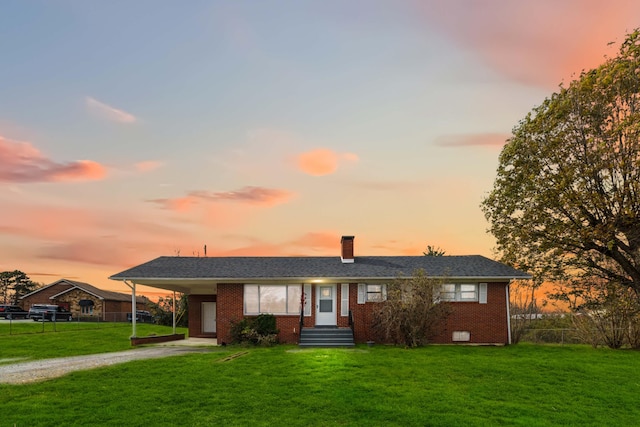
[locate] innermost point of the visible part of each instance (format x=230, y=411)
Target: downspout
x=508, y=312
x=174, y=311
x=134, y=308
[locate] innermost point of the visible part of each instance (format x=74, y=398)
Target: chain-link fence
x=552, y=336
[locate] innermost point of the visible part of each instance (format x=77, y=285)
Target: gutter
x=308, y=279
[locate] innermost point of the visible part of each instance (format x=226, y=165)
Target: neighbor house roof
x=238, y=269
x=90, y=289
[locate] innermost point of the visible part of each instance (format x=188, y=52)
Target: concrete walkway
x=190, y=342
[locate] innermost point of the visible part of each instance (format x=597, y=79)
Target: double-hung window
x=272, y=299
x=459, y=292
x=368, y=292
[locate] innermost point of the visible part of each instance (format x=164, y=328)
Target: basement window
x=461, y=336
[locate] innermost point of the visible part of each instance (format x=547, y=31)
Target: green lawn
x=524, y=385
x=37, y=340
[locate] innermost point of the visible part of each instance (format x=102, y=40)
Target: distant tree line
x=15, y=284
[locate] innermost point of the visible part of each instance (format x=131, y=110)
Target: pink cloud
x=148, y=165
x=252, y=195
x=538, y=43
x=97, y=252
x=322, y=161
x=22, y=162
x=473, y=140
x=247, y=195
x=108, y=112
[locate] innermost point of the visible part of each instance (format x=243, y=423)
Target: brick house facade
x=85, y=301
x=339, y=292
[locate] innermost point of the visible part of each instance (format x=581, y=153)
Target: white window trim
x=482, y=293
x=344, y=300
x=307, y=300
x=289, y=311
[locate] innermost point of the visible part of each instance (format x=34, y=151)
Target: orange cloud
x=322, y=161
x=322, y=242
x=22, y=162
x=80, y=170
x=538, y=43
x=108, y=112
x=474, y=140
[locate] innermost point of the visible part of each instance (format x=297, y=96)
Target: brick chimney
x=347, y=249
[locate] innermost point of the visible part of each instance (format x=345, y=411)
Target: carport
x=172, y=284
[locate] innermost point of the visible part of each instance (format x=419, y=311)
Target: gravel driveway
x=40, y=370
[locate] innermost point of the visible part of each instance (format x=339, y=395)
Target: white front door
x=208, y=317
x=325, y=305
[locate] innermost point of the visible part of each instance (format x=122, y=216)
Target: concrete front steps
x=326, y=336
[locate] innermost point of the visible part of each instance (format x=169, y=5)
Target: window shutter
x=344, y=300
x=362, y=293
x=482, y=293
x=307, y=299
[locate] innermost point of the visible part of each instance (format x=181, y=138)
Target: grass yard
x=524, y=385
x=36, y=340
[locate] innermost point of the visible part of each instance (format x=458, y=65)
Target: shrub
x=412, y=312
x=260, y=330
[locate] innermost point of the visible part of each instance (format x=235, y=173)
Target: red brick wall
x=487, y=323
x=230, y=308
x=42, y=297
x=362, y=316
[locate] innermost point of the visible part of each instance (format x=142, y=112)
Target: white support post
x=134, y=307
x=508, y=313
x=174, y=311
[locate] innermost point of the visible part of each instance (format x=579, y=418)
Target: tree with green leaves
x=162, y=310
x=13, y=285
x=566, y=199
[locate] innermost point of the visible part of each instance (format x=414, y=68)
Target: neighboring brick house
x=85, y=301
x=339, y=291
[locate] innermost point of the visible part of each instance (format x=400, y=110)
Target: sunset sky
x=135, y=129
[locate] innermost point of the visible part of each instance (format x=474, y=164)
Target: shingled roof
x=234, y=269
x=97, y=292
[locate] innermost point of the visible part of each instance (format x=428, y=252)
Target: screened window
x=272, y=299
x=459, y=292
